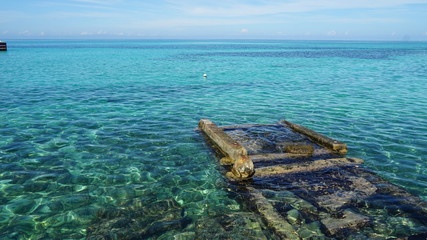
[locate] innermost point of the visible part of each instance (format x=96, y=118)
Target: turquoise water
x=93, y=125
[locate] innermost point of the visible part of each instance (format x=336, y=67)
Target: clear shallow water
x=90, y=125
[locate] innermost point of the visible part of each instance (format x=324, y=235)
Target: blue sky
x=227, y=19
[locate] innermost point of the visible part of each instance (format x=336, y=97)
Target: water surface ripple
x=93, y=125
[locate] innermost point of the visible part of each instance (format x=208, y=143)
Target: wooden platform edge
x=273, y=219
x=243, y=167
x=334, y=145
x=309, y=166
x=246, y=126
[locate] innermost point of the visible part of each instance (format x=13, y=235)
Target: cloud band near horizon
x=359, y=20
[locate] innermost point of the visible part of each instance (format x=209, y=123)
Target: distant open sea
x=90, y=126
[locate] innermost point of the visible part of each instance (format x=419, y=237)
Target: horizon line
x=218, y=39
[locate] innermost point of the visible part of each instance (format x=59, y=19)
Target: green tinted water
x=89, y=125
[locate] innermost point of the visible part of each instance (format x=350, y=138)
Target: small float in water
x=303, y=187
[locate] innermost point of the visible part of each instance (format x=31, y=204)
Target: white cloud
x=331, y=33
x=101, y=32
x=25, y=32
x=174, y=23
x=60, y=15
x=78, y=4
x=335, y=19
x=208, y=17
x=102, y=2
x=268, y=7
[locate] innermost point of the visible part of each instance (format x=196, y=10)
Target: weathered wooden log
x=334, y=145
x=226, y=144
x=308, y=166
x=243, y=167
x=246, y=126
x=358, y=188
x=337, y=189
x=272, y=218
x=265, y=157
x=300, y=149
x=273, y=156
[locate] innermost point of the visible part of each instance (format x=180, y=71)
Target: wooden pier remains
x=303, y=187
x=3, y=46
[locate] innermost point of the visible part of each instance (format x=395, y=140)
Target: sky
x=393, y=20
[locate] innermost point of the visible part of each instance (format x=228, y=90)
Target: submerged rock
x=293, y=217
x=239, y=225
x=138, y=220
x=348, y=220
x=185, y=236
x=418, y=236
x=311, y=231
x=21, y=206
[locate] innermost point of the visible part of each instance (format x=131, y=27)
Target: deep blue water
x=87, y=125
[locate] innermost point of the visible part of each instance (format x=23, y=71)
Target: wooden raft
x=303, y=187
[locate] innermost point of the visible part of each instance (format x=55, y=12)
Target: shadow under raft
x=303, y=187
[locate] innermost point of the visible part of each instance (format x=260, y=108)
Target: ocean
x=91, y=127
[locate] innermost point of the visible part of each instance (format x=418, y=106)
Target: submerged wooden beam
x=348, y=220
x=275, y=156
x=227, y=145
x=246, y=126
x=272, y=218
x=308, y=166
x=330, y=143
x=265, y=157
x=243, y=167
x=272, y=156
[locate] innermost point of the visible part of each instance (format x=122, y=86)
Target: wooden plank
x=274, y=156
x=308, y=166
x=336, y=190
x=273, y=219
x=264, y=157
x=300, y=149
x=227, y=145
x=246, y=126
x=348, y=220
x=320, y=139
x=270, y=156
x=243, y=167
